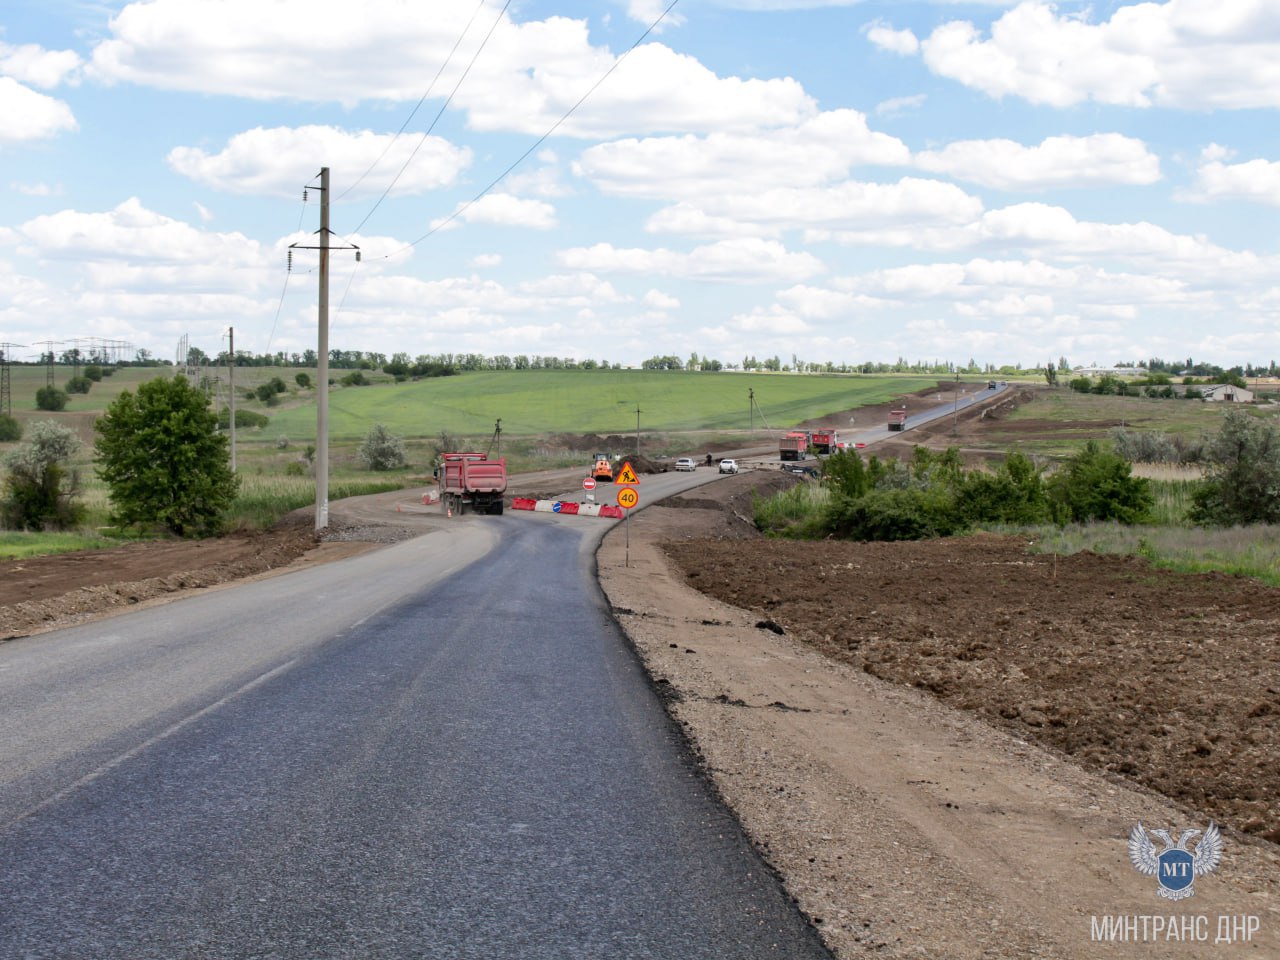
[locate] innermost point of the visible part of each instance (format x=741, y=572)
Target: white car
x=728, y=466
x=686, y=463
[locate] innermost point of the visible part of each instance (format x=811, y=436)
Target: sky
x=818, y=180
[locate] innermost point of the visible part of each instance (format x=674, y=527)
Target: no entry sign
x=588, y=483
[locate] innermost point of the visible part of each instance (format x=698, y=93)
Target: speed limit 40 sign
x=628, y=498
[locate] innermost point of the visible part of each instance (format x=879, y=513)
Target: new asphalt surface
x=463, y=763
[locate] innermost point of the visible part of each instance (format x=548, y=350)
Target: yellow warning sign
x=626, y=476
x=628, y=498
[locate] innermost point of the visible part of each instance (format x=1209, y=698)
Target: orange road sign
x=628, y=498
x=626, y=476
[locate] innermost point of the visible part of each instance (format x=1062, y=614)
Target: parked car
x=728, y=466
x=686, y=463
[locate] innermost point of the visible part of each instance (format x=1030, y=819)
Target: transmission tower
x=48, y=357
x=6, y=394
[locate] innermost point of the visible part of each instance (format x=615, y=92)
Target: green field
x=543, y=402
x=529, y=402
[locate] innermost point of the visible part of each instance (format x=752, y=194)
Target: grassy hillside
x=537, y=402
x=530, y=402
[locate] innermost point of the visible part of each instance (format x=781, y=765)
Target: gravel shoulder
x=903, y=826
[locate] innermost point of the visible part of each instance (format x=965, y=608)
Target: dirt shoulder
x=903, y=825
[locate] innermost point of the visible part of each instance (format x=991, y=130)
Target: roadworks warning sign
x=626, y=476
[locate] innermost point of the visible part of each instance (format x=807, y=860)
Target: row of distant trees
x=402, y=364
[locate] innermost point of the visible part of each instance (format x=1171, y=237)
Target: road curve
x=440, y=749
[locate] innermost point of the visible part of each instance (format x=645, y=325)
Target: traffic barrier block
x=523, y=503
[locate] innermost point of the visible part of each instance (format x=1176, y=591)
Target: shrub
x=79, y=385
x=10, y=429
x=266, y=393
x=1015, y=493
x=244, y=418
x=51, y=399
x=1243, y=481
x=93, y=372
x=1097, y=484
x=40, y=490
x=163, y=459
x=355, y=378
x=895, y=515
x=380, y=450
x=303, y=380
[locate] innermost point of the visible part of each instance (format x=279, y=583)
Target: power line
x=541, y=140
x=413, y=113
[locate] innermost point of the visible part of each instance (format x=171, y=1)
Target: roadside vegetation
x=1225, y=520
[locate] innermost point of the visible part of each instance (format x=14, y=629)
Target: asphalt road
x=440, y=749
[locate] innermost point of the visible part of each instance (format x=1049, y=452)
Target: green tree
x=380, y=450
x=1097, y=484
x=51, y=399
x=93, y=372
x=303, y=380
x=163, y=459
x=10, y=429
x=1242, y=484
x=79, y=385
x=40, y=490
x=1014, y=493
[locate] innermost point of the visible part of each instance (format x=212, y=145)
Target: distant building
x=1226, y=393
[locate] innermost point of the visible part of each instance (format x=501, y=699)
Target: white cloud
x=28, y=115
x=649, y=11
x=487, y=260
x=661, y=301
x=130, y=233
x=826, y=212
x=745, y=260
x=1254, y=181
x=1192, y=54
x=896, y=106
x=817, y=150
x=37, y=189
x=203, y=212
x=502, y=209
x=37, y=66
x=1065, y=161
x=529, y=76
x=275, y=161
x=902, y=42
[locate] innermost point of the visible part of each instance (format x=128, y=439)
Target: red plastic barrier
x=522, y=503
x=616, y=512
x=567, y=506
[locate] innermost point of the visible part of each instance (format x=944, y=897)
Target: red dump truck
x=471, y=480
x=794, y=446
x=824, y=440
x=898, y=418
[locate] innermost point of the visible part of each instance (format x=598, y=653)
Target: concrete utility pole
x=322, y=348
x=231, y=381
x=322, y=361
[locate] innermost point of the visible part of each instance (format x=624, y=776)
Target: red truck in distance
x=824, y=440
x=794, y=446
x=898, y=418
x=471, y=480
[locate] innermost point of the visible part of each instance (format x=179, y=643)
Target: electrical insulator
x=289, y=268
x=357, y=256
